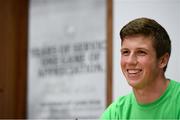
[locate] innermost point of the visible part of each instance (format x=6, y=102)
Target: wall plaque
x=67, y=62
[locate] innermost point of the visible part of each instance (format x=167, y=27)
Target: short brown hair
x=150, y=28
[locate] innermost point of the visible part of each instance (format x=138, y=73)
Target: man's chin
x=133, y=82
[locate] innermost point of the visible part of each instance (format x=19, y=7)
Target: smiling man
x=145, y=52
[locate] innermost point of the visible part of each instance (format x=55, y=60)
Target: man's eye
x=141, y=53
x=125, y=53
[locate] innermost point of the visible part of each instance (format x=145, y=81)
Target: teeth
x=133, y=71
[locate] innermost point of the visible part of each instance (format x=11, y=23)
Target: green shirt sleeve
x=111, y=113
x=107, y=115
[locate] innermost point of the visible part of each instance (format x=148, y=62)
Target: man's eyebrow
x=122, y=49
x=140, y=48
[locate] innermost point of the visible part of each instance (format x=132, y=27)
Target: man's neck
x=152, y=92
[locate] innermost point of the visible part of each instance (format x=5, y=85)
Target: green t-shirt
x=166, y=107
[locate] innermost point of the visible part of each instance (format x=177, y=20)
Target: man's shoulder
x=175, y=96
x=176, y=85
x=118, y=107
x=124, y=100
x=175, y=91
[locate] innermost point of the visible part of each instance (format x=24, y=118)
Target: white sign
x=67, y=59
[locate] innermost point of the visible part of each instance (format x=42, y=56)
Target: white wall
x=166, y=12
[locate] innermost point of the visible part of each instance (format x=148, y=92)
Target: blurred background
x=60, y=58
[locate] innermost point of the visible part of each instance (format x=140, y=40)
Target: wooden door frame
x=13, y=62
x=109, y=50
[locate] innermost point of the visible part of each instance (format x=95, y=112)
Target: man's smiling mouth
x=134, y=72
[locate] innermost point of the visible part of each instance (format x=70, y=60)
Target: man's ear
x=163, y=61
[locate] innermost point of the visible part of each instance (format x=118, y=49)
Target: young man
x=145, y=52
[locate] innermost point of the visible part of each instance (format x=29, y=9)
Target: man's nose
x=132, y=59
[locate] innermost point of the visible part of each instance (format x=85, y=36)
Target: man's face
x=138, y=61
